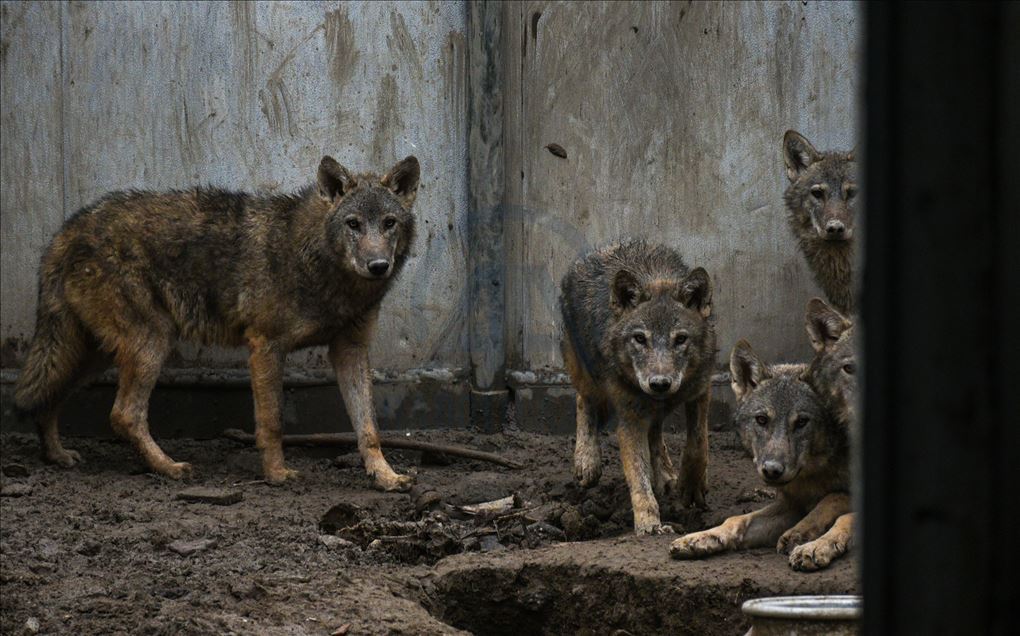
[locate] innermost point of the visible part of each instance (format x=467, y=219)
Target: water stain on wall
x=403, y=48
x=387, y=122
x=340, y=44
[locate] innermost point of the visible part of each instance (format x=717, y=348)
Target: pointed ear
x=627, y=291
x=696, y=292
x=747, y=370
x=798, y=154
x=334, y=180
x=824, y=324
x=402, y=180
x=852, y=155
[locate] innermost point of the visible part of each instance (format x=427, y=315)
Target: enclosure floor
x=88, y=550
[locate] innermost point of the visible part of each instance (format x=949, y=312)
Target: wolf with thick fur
x=821, y=201
x=133, y=272
x=798, y=449
x=638, y=343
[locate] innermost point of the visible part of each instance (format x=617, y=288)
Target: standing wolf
x=820, y=202
x=133, y=272
x=637, y=343
x=798, y=449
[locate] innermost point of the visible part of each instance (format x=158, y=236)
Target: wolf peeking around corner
x=637, y=343
x=820, y=202
x=800, y=450
x=133, y=272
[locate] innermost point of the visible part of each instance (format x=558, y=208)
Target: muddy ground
x=107, y=548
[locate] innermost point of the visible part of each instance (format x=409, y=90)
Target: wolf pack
x=134, y=272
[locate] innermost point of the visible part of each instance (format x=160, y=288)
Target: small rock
x=340, y=516
x=32, y=625
x=335, y=543
x=546, y=530
x=425, y=498
x=557, y=150
x=375, y=545
x=489, y=542
x=15, y=470
x=471, y=543
x=248, y=590
x=214, y=496
x=88, y=547
x=572, y=522
x=342, y=630
x=15, y=490
x=549, y=513
x=350, y=460
x=187, y=548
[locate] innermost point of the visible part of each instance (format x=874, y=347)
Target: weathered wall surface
x=104, y=96
x=671, y=115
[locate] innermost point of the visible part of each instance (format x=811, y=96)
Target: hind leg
x=665, y=478
x=587, y=454
x=266, y=362
x=53, y=451
x=139, y=368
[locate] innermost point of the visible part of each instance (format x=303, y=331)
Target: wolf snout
x=835, y=230
x=772, y=470
x=378, y=267
x=660, y=383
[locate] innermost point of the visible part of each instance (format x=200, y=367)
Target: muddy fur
x=821, y=203
x=637, y=344
x=135, y=271
x=798, y=448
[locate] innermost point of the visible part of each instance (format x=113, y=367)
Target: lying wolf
x=798, y=449
x=637, y=343
x=133, y=272
x=820, y=202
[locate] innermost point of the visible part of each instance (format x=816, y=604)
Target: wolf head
x=369, y=224
x=781, y=419
x=833, y=371
x=822, y=196
x=660, y=329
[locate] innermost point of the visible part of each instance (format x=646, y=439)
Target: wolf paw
x=697, y=545
x=63, y=457
x=692, y=494
x=281, y=474
x=174, y=470
x=817, y=555
x=790, y=540
x=587, y=472
x=393, y=482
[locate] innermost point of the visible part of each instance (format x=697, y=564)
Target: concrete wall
x=671, y=115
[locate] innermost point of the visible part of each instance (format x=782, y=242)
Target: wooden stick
x=351, y=439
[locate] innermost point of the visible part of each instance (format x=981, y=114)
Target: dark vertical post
x=486, y=254
x=940, y=318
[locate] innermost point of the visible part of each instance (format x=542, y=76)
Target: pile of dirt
x=108, y=548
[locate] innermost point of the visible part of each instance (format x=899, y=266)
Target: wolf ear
x=852, y=155
x=627, y=291
x=334, y=180
x=696, y=292
x=824, y=324
x=747, y=370
x=798, y=154
x=402, y=180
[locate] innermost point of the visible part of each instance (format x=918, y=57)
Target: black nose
x=772, y=470
x=660, y=383
x=835, y=229
x=379, y=267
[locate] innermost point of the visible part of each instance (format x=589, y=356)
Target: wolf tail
x=55, y=355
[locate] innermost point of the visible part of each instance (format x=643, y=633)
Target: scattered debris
x=342, y=630
x=214, y=496
x=756, y=495
x=15, y=470
x=340, y=516
x=557, y=150
x=15, y=490
x=492, y=508
x=187, y=548
x=351, y=439
x=334, y=542
x=248, y=590
x=32, y=625
x=425, y=498
x=348, y=460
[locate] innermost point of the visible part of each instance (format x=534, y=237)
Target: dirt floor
x=108, y=548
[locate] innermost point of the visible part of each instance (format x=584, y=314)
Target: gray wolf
x=637, y=343
x=798, y=449
x=821, y=201
x=135, y=271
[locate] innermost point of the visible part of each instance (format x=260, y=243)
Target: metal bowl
x=803, y=615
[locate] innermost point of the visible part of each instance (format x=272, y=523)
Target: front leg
x=349, y=355
x=637, y=468
x=266, y=364
x=665, y=478
x=818, y=554
x=751, y=530
x=814, y=525
x=694, y=464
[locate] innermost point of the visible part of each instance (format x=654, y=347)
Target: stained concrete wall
x=671, y=115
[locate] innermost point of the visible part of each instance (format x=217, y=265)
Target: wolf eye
x=762, y=420
x=851, y=193
x=389, y=223
x=640, y=338
x=801, y=422
x=680, y=339
x=817, y=192
x=850, y=368
x=353, y=224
